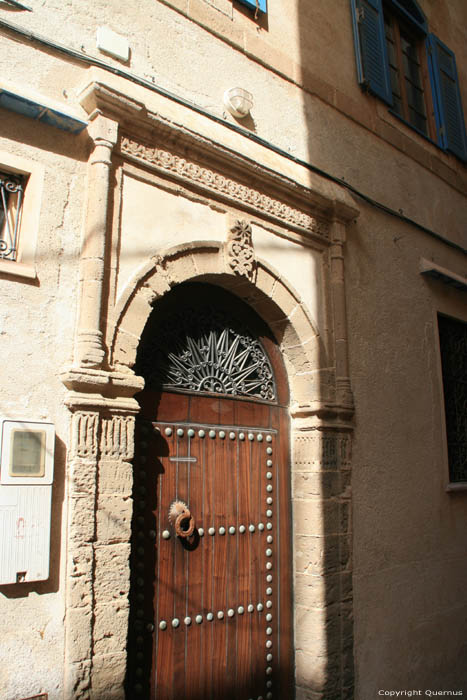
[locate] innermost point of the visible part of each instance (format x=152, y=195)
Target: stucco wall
x=37, y=326
x=409, y=534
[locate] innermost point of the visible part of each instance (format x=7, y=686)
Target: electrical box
x=26, y=478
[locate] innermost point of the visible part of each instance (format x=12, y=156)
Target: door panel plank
x=196, y=656
x=220, y=567
x=163, y=674
x=224, y=482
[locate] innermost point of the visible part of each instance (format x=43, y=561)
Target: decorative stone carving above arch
x=270, y=296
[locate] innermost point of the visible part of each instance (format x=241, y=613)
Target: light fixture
x=238, y=101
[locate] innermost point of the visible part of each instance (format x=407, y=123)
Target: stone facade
x=163, y=186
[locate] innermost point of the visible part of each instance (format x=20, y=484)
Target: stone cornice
x=226, y=187
x=176, y=151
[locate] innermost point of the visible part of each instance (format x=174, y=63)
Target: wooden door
x=211, y=611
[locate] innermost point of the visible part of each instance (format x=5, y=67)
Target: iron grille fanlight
x=11, y=203
x=207, y=351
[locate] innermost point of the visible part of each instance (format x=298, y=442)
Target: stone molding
x=117, y=437
x=233, y=190
x=84, y=441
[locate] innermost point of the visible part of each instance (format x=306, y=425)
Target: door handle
x=181, y=519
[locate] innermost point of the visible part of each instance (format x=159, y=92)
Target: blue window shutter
x=446, y=98
x=370, y=47
x=260, y=5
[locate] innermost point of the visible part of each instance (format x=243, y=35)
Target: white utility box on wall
x=26, y=477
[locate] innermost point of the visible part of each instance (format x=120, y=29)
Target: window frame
x=439, y=78
x=24, y=265
x=453, y=483
x=400, y=26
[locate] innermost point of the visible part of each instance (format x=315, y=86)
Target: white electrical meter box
x=26, y=477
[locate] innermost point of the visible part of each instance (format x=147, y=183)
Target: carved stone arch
x=272, y=297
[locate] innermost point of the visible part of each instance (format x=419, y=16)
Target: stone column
x=90, y=351
x=344, y=395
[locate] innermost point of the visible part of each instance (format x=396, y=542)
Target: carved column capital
x=103, y=130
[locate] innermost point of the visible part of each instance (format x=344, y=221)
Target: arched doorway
x=210, y=601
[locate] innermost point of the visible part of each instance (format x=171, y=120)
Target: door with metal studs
x=210, y=602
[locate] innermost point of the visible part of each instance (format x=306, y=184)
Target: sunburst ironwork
x=205, y=351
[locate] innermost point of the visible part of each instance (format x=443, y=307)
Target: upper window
x=20, y=202
x=11, y=201
x=453, y=346
x=411, y=70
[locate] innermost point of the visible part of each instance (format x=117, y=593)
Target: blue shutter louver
x=446, y=98
x=370, y=48
x=260, y=5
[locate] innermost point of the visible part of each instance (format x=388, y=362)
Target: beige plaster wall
x=410, y=566
x=37, y=318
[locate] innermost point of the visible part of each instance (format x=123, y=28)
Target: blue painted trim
x=262, y=6
x=356, y=41
x=370, y=48
x=40, y=112
x=440, y=108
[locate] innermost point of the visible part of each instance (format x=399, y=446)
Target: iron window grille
x=12, y=187
x=453, y=346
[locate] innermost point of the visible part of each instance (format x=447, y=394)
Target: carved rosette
x=240, y=252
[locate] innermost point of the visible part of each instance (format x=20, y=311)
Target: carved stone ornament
x=84, y=434
x=216, y=182
x=240, y=252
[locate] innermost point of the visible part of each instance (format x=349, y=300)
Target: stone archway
x=101, y=473
x=266, y=292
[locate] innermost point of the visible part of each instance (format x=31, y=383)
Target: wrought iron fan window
x=204, y=349
x=11, y=203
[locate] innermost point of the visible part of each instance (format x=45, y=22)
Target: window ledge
x=454, y=486
x=430, y=269
x=414, y=128
x=10, y=268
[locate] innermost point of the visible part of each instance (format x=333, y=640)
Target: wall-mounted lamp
x=238, y=101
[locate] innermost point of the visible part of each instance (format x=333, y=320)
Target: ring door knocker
x=181, y=519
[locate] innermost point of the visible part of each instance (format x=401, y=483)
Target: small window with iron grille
x=453, y=346
x=12, y=186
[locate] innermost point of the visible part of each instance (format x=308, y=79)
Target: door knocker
x=181, y=519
